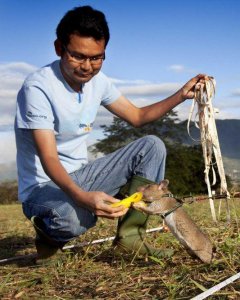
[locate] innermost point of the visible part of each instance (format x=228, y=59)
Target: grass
x=96, y=272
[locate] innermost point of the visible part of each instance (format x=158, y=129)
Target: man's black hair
x=85, y=21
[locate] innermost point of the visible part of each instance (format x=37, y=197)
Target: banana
x=129, y=200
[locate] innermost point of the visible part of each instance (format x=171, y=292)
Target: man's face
x=81, y=59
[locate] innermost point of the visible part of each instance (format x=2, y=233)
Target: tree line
x=8, y=192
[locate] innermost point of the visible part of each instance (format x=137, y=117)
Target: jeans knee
x=156, y=143
x=151, y=159
x=75, y=223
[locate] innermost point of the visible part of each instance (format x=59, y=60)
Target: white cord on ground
x=83, y=244
x=217, y=287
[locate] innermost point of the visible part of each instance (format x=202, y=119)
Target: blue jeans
x=64, y=219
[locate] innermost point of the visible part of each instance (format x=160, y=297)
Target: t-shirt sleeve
x=34, y=110
x=111, y=93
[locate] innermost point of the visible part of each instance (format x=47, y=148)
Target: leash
x=182, y=201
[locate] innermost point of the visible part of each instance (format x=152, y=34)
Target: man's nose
x=86, y=64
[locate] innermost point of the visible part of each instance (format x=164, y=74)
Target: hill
x=228, y=133
x=229, y=139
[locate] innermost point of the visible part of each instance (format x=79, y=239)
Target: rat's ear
x=163, y=184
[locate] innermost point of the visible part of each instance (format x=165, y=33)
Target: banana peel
x=127, y=202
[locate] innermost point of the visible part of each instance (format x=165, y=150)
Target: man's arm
x=94, y=201
x=137, y=117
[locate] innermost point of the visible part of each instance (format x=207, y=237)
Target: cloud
x=12, y=76
x=227, y=104
x=180, y=69
x=161, y=89
x=17, y=67
x=7, y=147
x=231, y=106
x=227, y=109
x=141, y=92
x=176, y=68
x=236, y=93
x=128, y=82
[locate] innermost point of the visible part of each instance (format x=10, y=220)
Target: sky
x=155, y=47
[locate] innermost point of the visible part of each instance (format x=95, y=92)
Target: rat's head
x=153, y=192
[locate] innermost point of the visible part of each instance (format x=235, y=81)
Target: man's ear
x=58, y=48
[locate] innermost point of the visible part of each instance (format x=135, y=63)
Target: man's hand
x=187, y=91
x=98, y=203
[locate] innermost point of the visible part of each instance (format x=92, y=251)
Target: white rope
x=217, y=287
x=205, y=121
x=83, y=244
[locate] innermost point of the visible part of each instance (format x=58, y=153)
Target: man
x=56, y=107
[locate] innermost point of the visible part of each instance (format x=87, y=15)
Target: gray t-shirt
x=46, y=101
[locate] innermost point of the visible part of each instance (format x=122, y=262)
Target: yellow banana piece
x=129, y=200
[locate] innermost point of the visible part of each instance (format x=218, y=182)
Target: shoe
x=45, y=245
x=131, y=230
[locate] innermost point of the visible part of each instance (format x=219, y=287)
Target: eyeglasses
x=80, y=59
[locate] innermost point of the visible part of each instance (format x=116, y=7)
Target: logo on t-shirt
x=86, y=127
x=31, y=115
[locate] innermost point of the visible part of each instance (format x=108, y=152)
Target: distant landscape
x=8, y=172
x=228, y=133
x=229, y=137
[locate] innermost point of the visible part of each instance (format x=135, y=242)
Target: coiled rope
x=205, y=121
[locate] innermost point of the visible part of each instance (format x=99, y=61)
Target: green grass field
x=96, y=272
